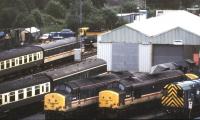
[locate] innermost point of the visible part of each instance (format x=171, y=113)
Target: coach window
x=13, y=62
x=38, y=55
x=35, y=56
x=20, y=60
x=30, y=58
x=16, y=61
x=25, y=59
x=42, y=90
x=29, y=92
x=47, y=87
x=20, y=94
x=7, y=64
x=37, y=90
x=12, y=96
x=2, y=65
x=1, y=100
x=5, y=98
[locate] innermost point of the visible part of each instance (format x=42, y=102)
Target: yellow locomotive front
x=109, y=99
x=55, y=102
x=173, y=96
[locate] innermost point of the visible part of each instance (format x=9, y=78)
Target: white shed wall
x=145, y=57
x=104, y=51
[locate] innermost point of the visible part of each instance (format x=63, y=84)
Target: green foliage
x=55, y=9
x=99, y=3
x=24, y=20
x=7, y=15
x=128, y=7
x=110, y=18
x=38, y=17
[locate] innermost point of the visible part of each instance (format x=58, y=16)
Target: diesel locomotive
x=139, y=88
x=78, y=95
x=31, y=89
x=181, y=96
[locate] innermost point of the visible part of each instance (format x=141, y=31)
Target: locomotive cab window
x=68, y=89
x=12, y=96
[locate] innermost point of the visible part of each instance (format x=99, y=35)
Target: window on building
x=37, y=90
x=29, y=92
x=12, y=96
x=21, y=94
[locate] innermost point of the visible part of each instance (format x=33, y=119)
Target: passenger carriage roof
x=75, y=68
x=23, y=83
x=56, y=43
x=12, y=53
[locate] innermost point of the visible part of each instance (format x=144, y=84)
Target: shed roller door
x=167, y=53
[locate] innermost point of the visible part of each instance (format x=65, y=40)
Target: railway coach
x=30, y=57
x=27, y=90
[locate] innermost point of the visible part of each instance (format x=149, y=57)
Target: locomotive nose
x=108, y=99
x=54, y=102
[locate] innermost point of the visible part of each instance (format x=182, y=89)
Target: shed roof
x=165, y=29
x=160, y=24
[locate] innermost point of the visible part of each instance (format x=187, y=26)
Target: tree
x=55, y=9
x=38, y=17
x=110, y=18
x=128, y=7
x=99, y=3
x=24, y=20
x=7, y=17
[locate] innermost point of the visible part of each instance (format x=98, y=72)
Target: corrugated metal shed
x=137, y=46
x=164, y=29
